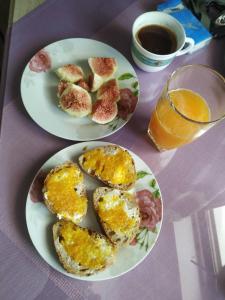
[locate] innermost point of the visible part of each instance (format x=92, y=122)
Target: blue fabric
x=192, y=26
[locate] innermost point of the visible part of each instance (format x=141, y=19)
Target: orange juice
x=168, y=128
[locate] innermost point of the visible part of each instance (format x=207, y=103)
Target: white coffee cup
x=151, y=62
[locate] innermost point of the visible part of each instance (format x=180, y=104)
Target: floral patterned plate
x=40, y=220
x=39, y=88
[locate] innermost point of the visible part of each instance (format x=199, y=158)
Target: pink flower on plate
x=127, y=103
x=36, y=187
x=40, y=62
x=133, y=242
x=150, y=209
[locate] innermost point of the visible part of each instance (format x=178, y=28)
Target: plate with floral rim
x=39, y=89
x=40, y=221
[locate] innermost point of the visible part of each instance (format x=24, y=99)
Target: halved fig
x=76, y=101
x=84, y=84
x=104, y=67
x=70, y=73
x=62, y=85
x=95, y=81
x=109, y=90
x=104, y=111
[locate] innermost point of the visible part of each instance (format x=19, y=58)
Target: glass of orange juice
x=192, y=101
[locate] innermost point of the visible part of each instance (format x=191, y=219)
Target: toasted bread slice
x=64, y=192
x=118, y=213
x=111, y=164
x=82, y=251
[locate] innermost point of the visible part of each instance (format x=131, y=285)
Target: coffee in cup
x=157, y=39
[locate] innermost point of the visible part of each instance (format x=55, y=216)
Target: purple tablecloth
x=187, y=260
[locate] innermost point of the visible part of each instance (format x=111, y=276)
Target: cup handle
x=189, y=44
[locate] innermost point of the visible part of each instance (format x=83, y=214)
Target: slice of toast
x=118, y=213
x=111, y=164
x=82, y=251
x=64, y=192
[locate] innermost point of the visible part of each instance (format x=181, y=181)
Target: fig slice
x=71, y=73
x=95, y=81
x=109, y=90
x=104, y=67
x=62, y=85
x=76, y=101
x=84, y=84
x=104, y=111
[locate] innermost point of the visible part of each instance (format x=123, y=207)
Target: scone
x=82, y=251
x=118, y=213
x=64, y=192
x=111, y=164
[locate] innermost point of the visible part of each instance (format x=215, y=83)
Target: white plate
x=38, y=89
x=40, y=220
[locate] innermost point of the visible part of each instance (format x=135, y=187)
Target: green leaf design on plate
x=152, y=183
x=135, y=93
x=85, y=148
x=156, y=193
x=155, y=230
x=125, y=76
x=142, y=174
x=135, y=85
x=142, y=238
x=113, y=124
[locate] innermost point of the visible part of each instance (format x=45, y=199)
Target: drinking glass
x=192, y=101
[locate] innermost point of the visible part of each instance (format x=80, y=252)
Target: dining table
x=187, y=261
